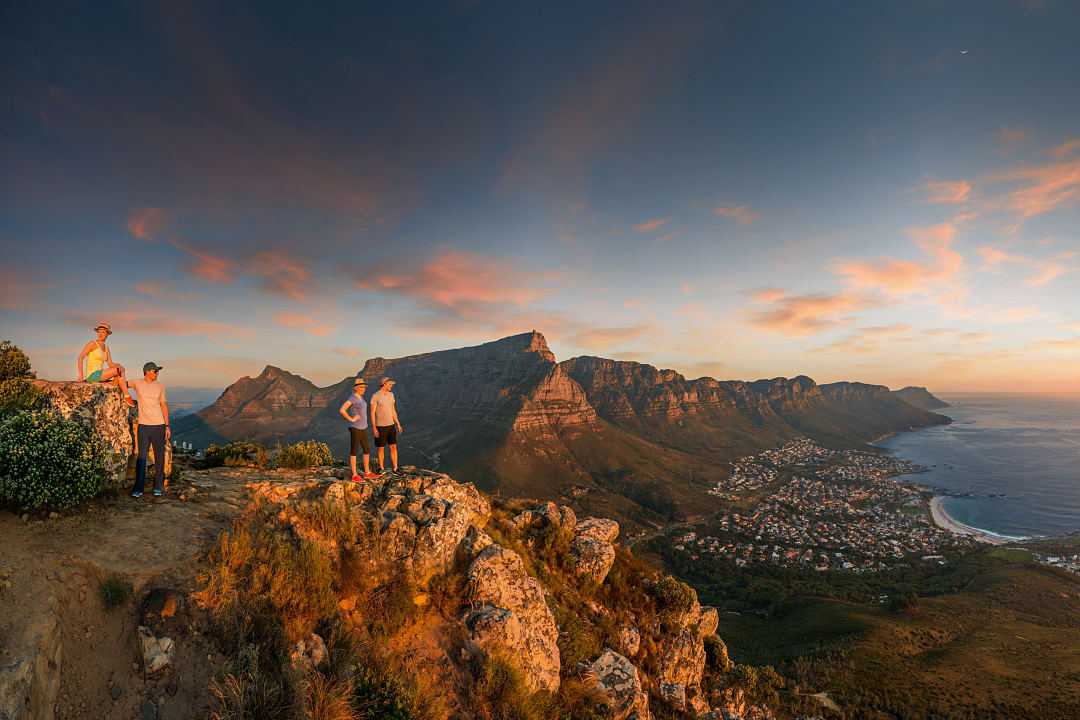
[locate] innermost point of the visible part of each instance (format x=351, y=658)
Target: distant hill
x=921, y=398
x=627, y=439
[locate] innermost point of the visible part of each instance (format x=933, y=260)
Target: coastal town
x=814, y=507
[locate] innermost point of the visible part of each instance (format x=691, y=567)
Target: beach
x=944, y=521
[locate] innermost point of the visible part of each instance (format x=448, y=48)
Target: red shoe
x=130, y=400
x=370, y=475
x=356, y=478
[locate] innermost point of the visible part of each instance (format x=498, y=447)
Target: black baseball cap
x=151, y=366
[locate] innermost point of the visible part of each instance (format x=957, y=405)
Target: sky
x=875, y=191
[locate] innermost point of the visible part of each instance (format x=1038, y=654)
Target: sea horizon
x=1006, y=465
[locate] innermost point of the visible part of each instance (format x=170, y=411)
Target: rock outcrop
x=511, y=616
x=617, y=681
x=29, y=675
x=101, y=408
x=594, y=552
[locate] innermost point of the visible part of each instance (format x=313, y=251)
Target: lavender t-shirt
x=358, y=407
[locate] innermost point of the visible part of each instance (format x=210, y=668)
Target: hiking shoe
x=397, y=471
x=135, y=494
x=159, y=493
x=356, y=478
x=370, y=475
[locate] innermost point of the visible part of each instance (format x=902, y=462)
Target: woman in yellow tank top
x=99, y=363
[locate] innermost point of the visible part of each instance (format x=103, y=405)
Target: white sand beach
x=944, y=521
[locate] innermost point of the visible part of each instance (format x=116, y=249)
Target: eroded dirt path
x=52, y=612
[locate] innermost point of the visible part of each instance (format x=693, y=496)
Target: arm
x=79, y=363
x=108, y=357
x=397, y=421
x=165, y=414
x=371, y=411
x=344, y=411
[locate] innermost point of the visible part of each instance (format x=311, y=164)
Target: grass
x=115, y=591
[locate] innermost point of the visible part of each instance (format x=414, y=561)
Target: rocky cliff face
x=921, y=398
x=517, y=574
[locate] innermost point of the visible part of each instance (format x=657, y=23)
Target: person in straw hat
x=354, y=410
x=99, y=363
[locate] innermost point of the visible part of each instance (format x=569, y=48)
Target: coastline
x=945, y=521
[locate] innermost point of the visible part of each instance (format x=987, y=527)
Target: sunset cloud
x=740, y=214
x=603, y=338
x=1010, y=137
x=767, y=295
x=210, y=268
x=282, y=274
x=651, y=225
x=18, y=288
x=147, y=223
x=1066, y=148
x=150, y=320
x=1039, y=189
x=462, y=281
x=907, y=277
x=153, y=289
x=807, y=314
x=1043, y=271
x=306, y=323
x=869, y=339
x=947, y=192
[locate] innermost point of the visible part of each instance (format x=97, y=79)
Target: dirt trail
x=51, y=607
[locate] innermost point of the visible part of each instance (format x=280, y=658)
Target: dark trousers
x=151, y=434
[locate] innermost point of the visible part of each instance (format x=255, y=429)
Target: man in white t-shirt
x=153, y=427
x=384, y=422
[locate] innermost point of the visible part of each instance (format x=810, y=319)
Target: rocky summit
x=639, y=441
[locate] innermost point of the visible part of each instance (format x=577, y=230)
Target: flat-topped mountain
x=920, y=397
x=627, y=438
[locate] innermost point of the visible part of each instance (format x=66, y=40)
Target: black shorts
x=387, y=436
x=358, y=438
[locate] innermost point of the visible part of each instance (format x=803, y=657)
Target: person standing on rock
x=99, y=363
x=153, y=428
x=384, y=422
x=358, y=424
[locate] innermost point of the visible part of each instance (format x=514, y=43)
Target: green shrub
x=48, y=462
x=304, y=454
x=674, y=595
x=115, y=591
x=716, y=655
x=250, y=691
x=578, y=640
x=499, y=692
x=16, y=392
x=239, y=453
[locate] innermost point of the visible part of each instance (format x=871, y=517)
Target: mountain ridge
x=639, y=441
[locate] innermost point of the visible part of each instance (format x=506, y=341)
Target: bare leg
x=379, y=452
x=352, y=464
x=367, y=464
x=393, y=455
x=116, y=375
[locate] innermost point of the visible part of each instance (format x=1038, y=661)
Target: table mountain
x=625, y=438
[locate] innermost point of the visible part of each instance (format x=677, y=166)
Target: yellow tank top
x=95, y=360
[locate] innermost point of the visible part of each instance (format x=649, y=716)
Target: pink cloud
x=905, y=277
x=18, y=289
x=150, y=320
x=768, y=295
x=1009, y=137
x=947, y=192
x=153, y=289
x=1039, y=189
x=807, y=314
x=740, y=214
x=651, y=225
x=1044, y=271
x=459, y=280
x=632, y=303
x=147, y=223
x=602, y=338
x=282, y=274
x=209, y=267
x=1066, y=148
x=306, y=323
x=869, y=339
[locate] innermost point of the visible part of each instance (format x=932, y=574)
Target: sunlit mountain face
x=885, y=192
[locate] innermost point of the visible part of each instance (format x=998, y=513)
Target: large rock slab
x=616, y=679
x=594, y=553
x=30, y=669
x=510, y=616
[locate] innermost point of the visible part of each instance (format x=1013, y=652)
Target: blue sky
x=877, y=191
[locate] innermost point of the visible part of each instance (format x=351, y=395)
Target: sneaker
x=397, y=471
x=370, y=475
x=357, y=478
x=136, y=494
x=130, y=400
x=159, y=493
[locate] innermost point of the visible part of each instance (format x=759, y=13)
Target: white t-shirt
x=382, y=403
x=150, y=396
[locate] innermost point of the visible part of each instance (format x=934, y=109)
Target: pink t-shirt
x=150, y=396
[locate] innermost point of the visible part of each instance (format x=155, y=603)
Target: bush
x=16, y=392
x=674, y=596
x=48, y=462
x=239, y=453
x=250, y=691
x=304, y=454
x=115, y=591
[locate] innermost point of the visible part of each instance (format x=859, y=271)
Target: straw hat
x=108, y=328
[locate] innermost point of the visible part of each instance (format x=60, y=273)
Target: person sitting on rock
x=99, y=363
x=153, y=428
x=358, y=424
x=384, y=422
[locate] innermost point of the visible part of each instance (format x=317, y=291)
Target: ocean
x=1017, y=455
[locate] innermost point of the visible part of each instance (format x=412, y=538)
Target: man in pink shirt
x=153, y=428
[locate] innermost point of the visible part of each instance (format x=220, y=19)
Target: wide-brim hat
x=359, y=381
x=384, y=379
x=108, y=328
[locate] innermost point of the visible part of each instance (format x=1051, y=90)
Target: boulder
x=629, y=640
x=673, y=695
x=30, y=671
x=308, y=654
x=683, y=659
x=546, y=515
x=497, y=581
x=101, y=408
x=592, y=547
x=157, y=652
x=708, y=620
x=616, y=680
